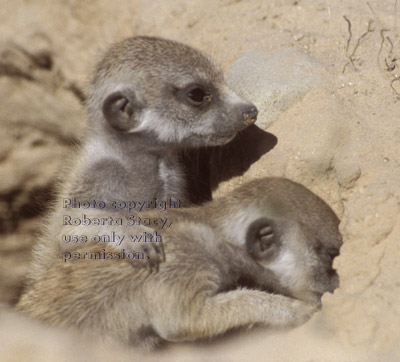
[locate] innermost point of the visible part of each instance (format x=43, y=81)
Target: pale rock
x=275, y=82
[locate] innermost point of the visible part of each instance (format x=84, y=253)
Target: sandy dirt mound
x=340, y=137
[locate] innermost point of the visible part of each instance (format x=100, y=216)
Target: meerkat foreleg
x=222, y=312
x=208, y=288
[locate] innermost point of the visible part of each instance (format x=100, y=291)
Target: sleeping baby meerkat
x=261, y=255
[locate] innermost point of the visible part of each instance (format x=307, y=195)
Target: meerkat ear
x=119, y=109
x=262, y=241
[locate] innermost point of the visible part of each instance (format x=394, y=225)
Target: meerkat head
x=300, y=258
x=167, y=90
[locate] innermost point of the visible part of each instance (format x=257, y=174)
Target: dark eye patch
x=195, y=95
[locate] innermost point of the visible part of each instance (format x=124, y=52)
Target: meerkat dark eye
x=197, y=96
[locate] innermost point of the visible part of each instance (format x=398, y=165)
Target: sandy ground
x=339, y=137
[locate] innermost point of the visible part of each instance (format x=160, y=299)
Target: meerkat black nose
x=250, y=115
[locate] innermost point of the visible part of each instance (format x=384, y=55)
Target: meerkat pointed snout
x=250, y=115
x=168, y=91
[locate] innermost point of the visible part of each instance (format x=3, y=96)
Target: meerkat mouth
x=221, y=140
x=213, y=140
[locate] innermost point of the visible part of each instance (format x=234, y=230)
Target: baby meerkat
x=261, y=255
x=148, y=99
x=286, y=228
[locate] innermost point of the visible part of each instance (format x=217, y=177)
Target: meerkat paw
x=147, y=245
x=290, y=312
x=146, y=254
x=154, y=254
x=302, y=312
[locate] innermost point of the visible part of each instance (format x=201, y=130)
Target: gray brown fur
x=140, y=118
x=208, y=283
x=306, y=229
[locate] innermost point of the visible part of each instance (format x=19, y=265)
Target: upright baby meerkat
x=148, y=99
x=261, y=255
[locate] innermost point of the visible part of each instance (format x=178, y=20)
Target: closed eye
x=332, y=252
